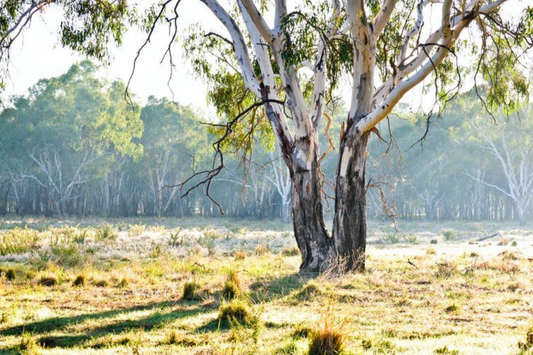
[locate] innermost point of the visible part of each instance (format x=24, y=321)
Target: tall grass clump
x=232, y=286
x=79, y=281
x=329, y=338
x=106, y=232
x=174, y=238
x=66, y=255
x=449, y=234
x=18, y=241
x=67, y=235
x=11, y=274
x=237, y=311
x=136, y=230
x=190, y=290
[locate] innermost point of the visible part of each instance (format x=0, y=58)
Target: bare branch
x=209, y=175
x=148, y=40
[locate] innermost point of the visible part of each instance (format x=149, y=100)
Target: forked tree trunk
x=315, y=245
x=349, y=223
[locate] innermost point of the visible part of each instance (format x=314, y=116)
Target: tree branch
x=239, y=45
x=249, y=7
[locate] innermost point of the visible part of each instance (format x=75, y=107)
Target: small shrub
x=81, y=237
x=190, y=290
x=433, y=241
x=136, y=230
x=79, y=281
x=208, y=241
x=11, y=274
x=301, y=331
x=67, y=235
x=449, y=234
x=6, y=317
x=244, y=331
x=48, y=281
x=380, y=346
x=27, y=345
x=157, y=251
x=509, y=255
x=412, y=239
x=504, y=241
x=309, y=291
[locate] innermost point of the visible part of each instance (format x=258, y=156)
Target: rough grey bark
x=349, y=223
x=315, y=245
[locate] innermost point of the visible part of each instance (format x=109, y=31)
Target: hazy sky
x=37, y=54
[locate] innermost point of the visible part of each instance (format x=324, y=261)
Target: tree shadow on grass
x=272, y=290
x=164, y=313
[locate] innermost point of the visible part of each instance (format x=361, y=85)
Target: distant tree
x=173, y=149
x=68, y=126
x=383, y=46
x=510, y=147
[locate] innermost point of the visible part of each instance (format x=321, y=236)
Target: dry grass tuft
x=446, y=270
x=11, y=274
x=48, y=281
x=123, y=283
x=190, y=289
x=79, y=281
x=240, y=254
x=101, y=283
x=291, y=251
x=328, y=339
x=261, y=249
x=235, y=310
x=174, y=338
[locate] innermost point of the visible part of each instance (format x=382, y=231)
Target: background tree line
x=74, y=146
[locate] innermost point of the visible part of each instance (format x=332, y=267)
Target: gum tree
x=290, y=58
x=385, y=49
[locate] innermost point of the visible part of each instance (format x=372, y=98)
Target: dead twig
x=488, y=237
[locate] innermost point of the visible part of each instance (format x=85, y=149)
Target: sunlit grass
x=240, y=292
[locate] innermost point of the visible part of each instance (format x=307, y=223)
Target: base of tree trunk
x=349, y=223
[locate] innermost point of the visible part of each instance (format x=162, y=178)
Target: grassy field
x=232, y=287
